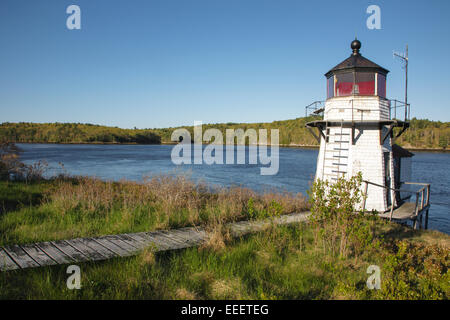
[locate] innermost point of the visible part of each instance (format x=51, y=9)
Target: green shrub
x=340, y=227
x=415, y=271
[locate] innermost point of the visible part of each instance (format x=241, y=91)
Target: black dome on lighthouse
x=355, y=45
x=356, y=62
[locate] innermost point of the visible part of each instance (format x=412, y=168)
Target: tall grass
x=81, y=206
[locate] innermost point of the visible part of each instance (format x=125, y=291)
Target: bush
x=415, y=271
x=338, y=224
x=10, y=165
x=11, y=168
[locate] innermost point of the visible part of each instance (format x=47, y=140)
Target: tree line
x=26, y=132
x=422, y=133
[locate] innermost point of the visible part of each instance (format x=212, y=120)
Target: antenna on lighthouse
x=404, y=58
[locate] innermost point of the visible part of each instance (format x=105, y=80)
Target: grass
x=282, y=262
x=78, y=207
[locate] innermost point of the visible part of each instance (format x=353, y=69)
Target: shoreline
x=298, y=146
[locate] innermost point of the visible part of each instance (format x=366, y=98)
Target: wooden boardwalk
x=409, y=211
x=404, y=212
x=123, y=245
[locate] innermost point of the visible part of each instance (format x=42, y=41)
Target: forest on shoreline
x=422, y=134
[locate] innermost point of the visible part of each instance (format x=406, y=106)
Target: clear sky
x=160, y=63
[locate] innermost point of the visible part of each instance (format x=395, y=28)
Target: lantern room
x=356, y=76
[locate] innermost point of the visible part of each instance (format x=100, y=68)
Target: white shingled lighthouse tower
x=356, y=133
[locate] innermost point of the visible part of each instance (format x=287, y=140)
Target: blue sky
x=160, y=63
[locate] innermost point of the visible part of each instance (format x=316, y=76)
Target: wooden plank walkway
x=409, y=211
x=122, y=245
x=404, y=212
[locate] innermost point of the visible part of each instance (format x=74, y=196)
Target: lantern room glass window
x=330, y=87
x=344, y=84
x=381, y=85
x=356, y=83
x=364, y=83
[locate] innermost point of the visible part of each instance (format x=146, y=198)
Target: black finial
x=355, y=45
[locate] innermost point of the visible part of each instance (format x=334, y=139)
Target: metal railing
x=420, y=205
x=316, y=108
x=397, y=107
x=396, y=104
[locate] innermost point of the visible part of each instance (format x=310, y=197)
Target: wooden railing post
x=392, y=212
x=422, y=206
x=365, y=196
x=427, y=204
x=422, y=194
x=416, y=211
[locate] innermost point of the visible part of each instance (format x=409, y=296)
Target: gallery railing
x=403, y=110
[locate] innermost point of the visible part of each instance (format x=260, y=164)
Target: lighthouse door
x=387, y=176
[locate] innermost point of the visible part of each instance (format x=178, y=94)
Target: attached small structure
x=356, y=132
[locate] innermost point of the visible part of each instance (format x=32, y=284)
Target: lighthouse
x=356, y=132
